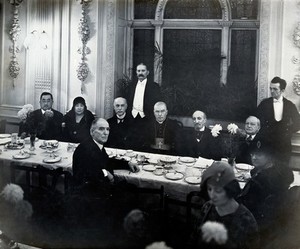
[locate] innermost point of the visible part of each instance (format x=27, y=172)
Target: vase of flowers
x=229, y=140
x=23, y=115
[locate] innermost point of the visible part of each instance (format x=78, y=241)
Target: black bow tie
x=120, y=120
x=199, y=134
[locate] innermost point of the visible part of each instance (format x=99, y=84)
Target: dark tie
x=199, y=134
x=249, y=138
x=120, y=120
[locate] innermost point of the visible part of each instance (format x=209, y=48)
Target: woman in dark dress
x=77, y=122
x=219, y=183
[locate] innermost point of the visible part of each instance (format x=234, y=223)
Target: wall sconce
x=84, y=34
x=36, y=39
x=14, y=33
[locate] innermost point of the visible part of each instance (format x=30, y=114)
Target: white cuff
x=105, y=172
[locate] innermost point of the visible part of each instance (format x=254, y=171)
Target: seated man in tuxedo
x=45, y=122
x=120, y=125
x=163, y=134
x=252, y=135
x=199, y=142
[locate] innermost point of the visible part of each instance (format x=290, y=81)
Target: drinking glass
x=32, y=141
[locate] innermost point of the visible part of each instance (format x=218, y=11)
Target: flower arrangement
x=25, y=111
x=158, y=245
x=49, y=113
x=232, y=128
x=12, y=202
x=215, y=131
x=216, y=231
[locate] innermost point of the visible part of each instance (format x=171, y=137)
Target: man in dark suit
x=279, y=118
x=46, y=122
x=96, y=193
x=252, y=135
x=91, y=165
x=163, y=134
x=120, y=125
x=199, y=142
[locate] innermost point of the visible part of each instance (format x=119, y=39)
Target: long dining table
x=178, y=175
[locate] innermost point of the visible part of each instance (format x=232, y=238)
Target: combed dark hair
x=281, y=82
x=46, y=93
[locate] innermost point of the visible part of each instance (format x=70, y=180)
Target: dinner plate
x=174, y=176
x=130, y=154
x=149, y=167
x=193, y=180
x=52, y=159
x=167, y=160
x=187, y=159
x=152, y=161
x=21, y=156
x=5, y=135
x=243, y=166
x=17, y=146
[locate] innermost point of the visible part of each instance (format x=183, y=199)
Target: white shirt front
x=101, y=147
x=138, y=99
x=278, y=108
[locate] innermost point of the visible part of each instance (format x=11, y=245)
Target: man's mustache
x=140, y=75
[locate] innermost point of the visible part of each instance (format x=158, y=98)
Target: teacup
x=159, y=170
x=140, y=158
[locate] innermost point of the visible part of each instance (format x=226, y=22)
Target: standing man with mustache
x=143, y=94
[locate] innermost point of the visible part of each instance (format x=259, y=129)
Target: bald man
x=252, y=135
x=120, y=125
x=199, y=142
x=163, y=134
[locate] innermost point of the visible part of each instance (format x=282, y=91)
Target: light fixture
x=36, y=39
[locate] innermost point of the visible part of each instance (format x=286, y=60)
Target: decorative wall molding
x=109, y=57
x=296, y=84
x=14, y=33
x=264, y=35
x=84, y=33
x=296, y=36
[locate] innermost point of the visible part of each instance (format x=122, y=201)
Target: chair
x=3, y=126
x=39, y=173
x=150, y=194
x=194, y=200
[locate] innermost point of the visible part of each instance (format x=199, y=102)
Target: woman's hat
x=220, y=173
x=78, y=100
x=261, y=146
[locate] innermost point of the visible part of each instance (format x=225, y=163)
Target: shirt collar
x=143, y=82
x=99, y=145
x=278, y=100
x=121, y=117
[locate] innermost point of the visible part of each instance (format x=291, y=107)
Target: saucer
x=149, y=167
x=52, y=159
x=193, y=180
x=174, y=176
x=21, y=156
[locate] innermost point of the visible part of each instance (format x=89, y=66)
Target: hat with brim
x=219, y=174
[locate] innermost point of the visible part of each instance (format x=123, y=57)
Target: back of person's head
x=281, y=82
x=220, y=174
